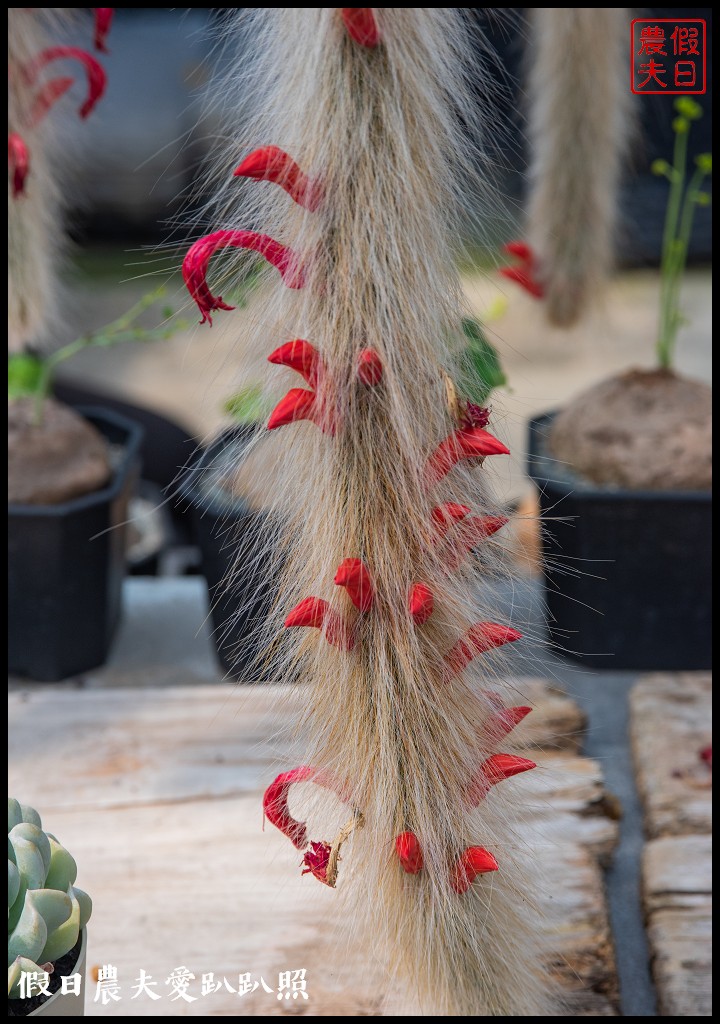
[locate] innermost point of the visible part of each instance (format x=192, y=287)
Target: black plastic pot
x=627, y=573
x=66, y=565
x=241, y=588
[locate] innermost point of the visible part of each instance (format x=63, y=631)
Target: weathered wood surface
x=671, y=723
x=157, y=793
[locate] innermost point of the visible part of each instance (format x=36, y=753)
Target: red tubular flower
x=197, y=259
x=502, y=720
x=479, y=639
x=18, y=162
x=476, y=860
x=361, y=25
x=421, y=603
x=96, y=77
x=103, y=21
x=369, y=367
x=471, y=532
x=275, y=804
x=525, y=274
x=47, y=96
x=474, y=416
x=493, y=770
x=270, y=163
x=317, y=613
x=409, y=852
x=315, y=861
x=354, y=577
x=446, y=515
x=297, y=404
x=475, y=443
x=300, y=356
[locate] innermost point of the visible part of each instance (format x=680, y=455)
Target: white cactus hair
x=34, y=219
x=580, y=123
x=391, y=135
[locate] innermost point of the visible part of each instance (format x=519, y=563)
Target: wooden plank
x=671, y=722
x=157, y=793
x=677, y=882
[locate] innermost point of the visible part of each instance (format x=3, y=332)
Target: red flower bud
x=525, y=274
x=273, y=164
x=197, y=259
x=275, y=804
x=47, y=96
x=354, y=577
x=96, y=77
x=361, y=25
x=103, y=21
x=300, y=356
x=317, y=613
x=316, y=860
x=421, y=603
x=462, y=444
x=473, y=862
x=409, y=852
x=479, y=639
x=369, y=367
x=18, y=162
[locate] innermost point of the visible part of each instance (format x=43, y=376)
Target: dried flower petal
x=476, y=860
x=197, y=259
x=297, y=404
x=421, y=603
x=316, y=860
x=361, y=25
x=525, y=274
x=18, y=162
x=462, y=444
x=474, y=416
x=270, y=163
x=479, y=639
x=317, y=613
x=369, y=367
x=409, y=852
x=96, y=77
x=355, y=578
x=300, y=356
x=47, y=96
x=103, y=21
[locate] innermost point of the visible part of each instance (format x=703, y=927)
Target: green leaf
x=63, y=869
x=247, y=406
x=36, y=836
x=14, y=812
x=20, y=965
x=13, y=883
x=63, y=935
x=480, y=369
x=25, y=373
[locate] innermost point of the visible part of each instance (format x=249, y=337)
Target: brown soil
x=643, y=430
x=59, y=459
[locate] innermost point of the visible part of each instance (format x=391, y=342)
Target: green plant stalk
x=680, y=253
x=669, y=320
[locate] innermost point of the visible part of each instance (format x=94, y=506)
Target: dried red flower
x=316, y=860
x=47, y=96
x=96, y=77
x=275, y=804
x=317, y=613
x=270, y=163
x=361, y=25
x=476, y=860
x=480, y=638
x=300, y=356
x=407, y=847
x=421, y=603
x=103, y=21
x=475, y=443
x=355, y=578
x=474, y=416
x=526, y=274
x=18, y=162
x=197, y=259
x=369, y=367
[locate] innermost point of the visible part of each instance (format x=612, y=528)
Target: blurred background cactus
x=46, y=912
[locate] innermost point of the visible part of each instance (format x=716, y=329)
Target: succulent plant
x=46, y=913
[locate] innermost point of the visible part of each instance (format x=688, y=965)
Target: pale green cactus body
x=46, y=912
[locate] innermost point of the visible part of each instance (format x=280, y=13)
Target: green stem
x=680, y=249
x=668, y=319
